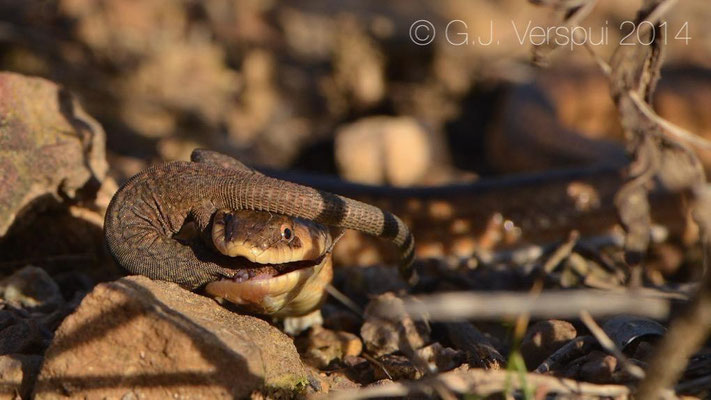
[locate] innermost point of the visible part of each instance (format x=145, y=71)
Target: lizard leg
x=202, y=217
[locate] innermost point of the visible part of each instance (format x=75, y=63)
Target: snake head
x=286, y=261
x=267, y=238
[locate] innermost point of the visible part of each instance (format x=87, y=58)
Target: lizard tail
x=254, y=191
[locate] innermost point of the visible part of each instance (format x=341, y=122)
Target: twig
x=345, y=300
x=570, y=351
x=668, y=127
x=562, y=252
x=655, y=15
x=602, y=64
x=573, y=13
x=456, y=306
x=609, y=345
x=689, y=330
x=377, y=363
x=481, y=353
x=485, y=383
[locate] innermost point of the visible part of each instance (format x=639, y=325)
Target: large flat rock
x=51, y=151
x=149, y=339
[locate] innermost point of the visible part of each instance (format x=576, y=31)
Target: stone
x=50, y=149
x=322, y=383
x=543, y=338
x=359, y=369
x=17, y=375
x=388, y=328
x=152, y=339
x=396, y=367
x=440, y=358
x=598, y=368
x=25, y=336
x=322, y=346
x=384, y=150
x=31, y=288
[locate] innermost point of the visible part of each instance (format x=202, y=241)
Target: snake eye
x=286, y=233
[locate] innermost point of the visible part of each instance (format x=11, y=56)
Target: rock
x=364, y=283
x=544, y=338
x=379, y=150
x=440, y=358
x=598, y=368
x=554, y=127
x=66, y=242
x=50, y=149
x=31, y=288
x=387, y=328
x=359, y=369
x=293, y=326
x=322, y=346
x=478, y=348
x=17, y=375
x=628, y=330
x=153, y=339
x=359, y=67
x=321, y=383
x=20, y=333
x=396, y=367
x=340, y=318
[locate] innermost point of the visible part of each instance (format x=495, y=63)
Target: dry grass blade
x=562, y=304
x=562, y=252
x=656, y=14
x=689, y=330
x=568, y=352
x=668, y=127
x=345, y=300
x=480, y=382
x=568, y=14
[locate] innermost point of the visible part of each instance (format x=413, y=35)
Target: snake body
x=146, y=212
x=498, y=213
x=285, y=263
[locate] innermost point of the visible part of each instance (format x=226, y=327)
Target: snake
x=285, y=262
x=220, y=196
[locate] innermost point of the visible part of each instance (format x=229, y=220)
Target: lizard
x=147, y=212
x=490, y=214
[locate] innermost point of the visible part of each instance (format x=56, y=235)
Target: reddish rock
x=17, y=374
x=598, y=368
x=152, y=339
x=440, y=358
x=388, y=328
x=31, y=288
x=50, y=149
x=380, y=150
x=322, y=346
x=543, y=339
x=396, y=367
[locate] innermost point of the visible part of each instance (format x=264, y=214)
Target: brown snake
x=456, y=219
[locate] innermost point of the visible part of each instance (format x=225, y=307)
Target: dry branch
x=455, y=306
x=485, y=383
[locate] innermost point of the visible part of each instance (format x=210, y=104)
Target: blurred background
x=339, y=87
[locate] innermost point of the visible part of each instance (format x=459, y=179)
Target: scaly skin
x=152, y=206
x=497, y=213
